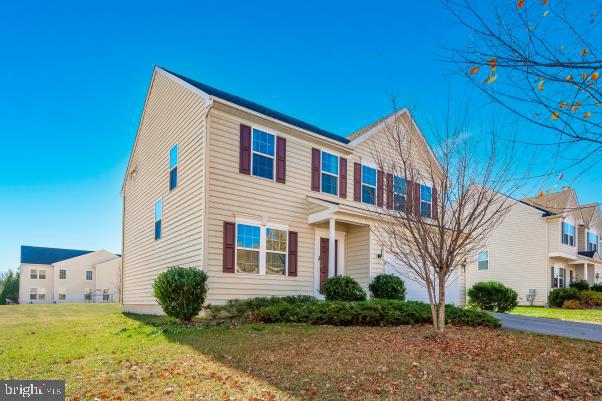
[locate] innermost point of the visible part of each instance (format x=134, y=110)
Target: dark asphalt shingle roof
x=259, y=108
x=46, y=256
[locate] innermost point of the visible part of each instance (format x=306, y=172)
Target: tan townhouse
x=544, y=242
x=264, y=203
x=56, y=275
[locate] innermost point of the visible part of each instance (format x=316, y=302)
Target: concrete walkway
x=554, y=327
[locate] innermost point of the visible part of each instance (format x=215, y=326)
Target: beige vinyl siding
x=26, y=283
x=517, y=255
x=358, y=254
x=232, y=195
x=173, y=114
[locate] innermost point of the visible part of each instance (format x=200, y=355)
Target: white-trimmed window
x=276, y=249
x=592, y=241
x=87, y=294
x=261, y=249
x=329, y=173
x=106, y=295
x=568, y=234
x=173, y=167
x=483, y=260
x=33, y=294
x=62, y=274
x=399, y=194
x=368, y=185
x=248, y=247
x=263, y=146
x=42, y=274
x=426, y=201
x=559, y=273
x=158, y=218
x=88, y=275
x=33, y=274
x=41, y=294
x=62, y=294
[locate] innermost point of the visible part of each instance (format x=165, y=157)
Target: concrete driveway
x=554, y=327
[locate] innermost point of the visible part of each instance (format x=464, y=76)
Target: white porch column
x=331, y=247
x=586, y=277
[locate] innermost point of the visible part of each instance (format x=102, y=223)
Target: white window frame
x=33, y=291
x=368, y=185
x=61, y=271
x=91, y=275
x=63, y=292
x=479, y=260
x=31, y=274
x=41, y=294
x=88, y=291
x=569, y=236
x=160, y=200
x=405, y=196
x=253, y=128
x=430, y=216
x=561, y=272
x=338, y=175
x=174, y=167
x=40, y=274
x=285, y=252
x=262, y=246
x=595, y=244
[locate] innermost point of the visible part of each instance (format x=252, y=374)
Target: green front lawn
x=575, y=315
x=105, y=354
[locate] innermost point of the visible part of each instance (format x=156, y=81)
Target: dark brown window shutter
x=416, y=201
x=280, y=160
x=552, y=282
x=342, y=177
x=245, y=150
x=435, y=205
x=357, y=182
x=389, y=191
x=564, y=278
x=409, y=197
x=229, y=246
x=315, y=169
x=380, y=187
x=292, y=253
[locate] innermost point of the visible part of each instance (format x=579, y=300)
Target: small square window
x=62, y=274
x=88, y=275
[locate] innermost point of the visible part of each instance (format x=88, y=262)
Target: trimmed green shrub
x=596, y=287
x=241, y=307
x=559, y=295
x=591, y=298
x=388, y=286
x=181, y=292
x=571, y=304
x=343, y=288
x=368, y=313
x=492, y=296
x=580, y=285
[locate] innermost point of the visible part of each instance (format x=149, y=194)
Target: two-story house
x=544, y=242
x=264, y=203
x=56, y=275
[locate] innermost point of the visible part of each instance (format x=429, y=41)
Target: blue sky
x=74, y=76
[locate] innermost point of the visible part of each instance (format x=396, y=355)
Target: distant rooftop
x=47, y=256
x=260, y=109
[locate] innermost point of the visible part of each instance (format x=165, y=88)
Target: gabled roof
x=47, y=256
x=220, y=94
x=588, y=211
x=555, y=202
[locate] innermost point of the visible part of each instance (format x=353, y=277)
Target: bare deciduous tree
x=539, y=59
x=432, y=232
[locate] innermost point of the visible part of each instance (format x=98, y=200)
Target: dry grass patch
x=104, y=354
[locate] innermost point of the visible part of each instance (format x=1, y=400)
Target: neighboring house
x=54, y=275
x=264, y=203
x=543, y=243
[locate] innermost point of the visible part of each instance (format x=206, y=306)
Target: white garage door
x=416, y=292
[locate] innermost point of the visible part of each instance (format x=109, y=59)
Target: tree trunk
x=439, y=316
